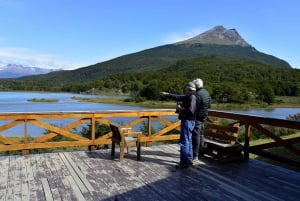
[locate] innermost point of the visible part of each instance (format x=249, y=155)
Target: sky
x=70, y=34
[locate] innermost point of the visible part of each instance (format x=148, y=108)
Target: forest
x=227, y=80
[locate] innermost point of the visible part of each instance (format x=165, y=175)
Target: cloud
x=28, y=57
x=176, y=37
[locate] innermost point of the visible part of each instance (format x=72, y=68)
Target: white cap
x=198, y=82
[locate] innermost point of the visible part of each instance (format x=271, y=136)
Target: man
x=187, y=114
x=198, y=131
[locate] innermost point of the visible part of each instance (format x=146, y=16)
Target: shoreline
x=172, y=104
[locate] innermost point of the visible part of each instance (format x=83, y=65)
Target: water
x=11, y=102
x=17, y=102
x=278, y=113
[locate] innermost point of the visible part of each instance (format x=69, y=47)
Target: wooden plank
x=52, y=128
x=15, y=179
x=79, y=172
x=46, y=172
x=223, y=128
x=75, y=188
x=30, y=172
x=47, y=190
x=99, y=173
x=159, y=138
x=220, y=144
x=24, y=179
x=231, y=186
x=7, y=140
x=4, y=167
x=153, y=178
x=77, y=179
x=38, y=172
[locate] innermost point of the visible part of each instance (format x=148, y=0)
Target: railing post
x=247, y=141
x=25, y=151
x=92, y=147
x=149, y=144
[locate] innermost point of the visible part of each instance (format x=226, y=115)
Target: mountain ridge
x=218, y=36
x=161, y=57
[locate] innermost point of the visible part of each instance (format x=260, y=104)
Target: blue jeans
x=186, y=149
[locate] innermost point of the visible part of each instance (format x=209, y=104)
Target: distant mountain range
x=15, y=71
x=217, y=42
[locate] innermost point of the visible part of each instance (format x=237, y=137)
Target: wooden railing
x=164, y=121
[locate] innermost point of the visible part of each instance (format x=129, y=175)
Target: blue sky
x=70, y=34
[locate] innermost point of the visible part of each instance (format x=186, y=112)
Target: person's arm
x=176, y=97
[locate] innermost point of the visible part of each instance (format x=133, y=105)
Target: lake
x=17, y=102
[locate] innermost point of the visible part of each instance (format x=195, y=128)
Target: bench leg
x=128, y=149
x=113, y=145
x=138, y=151
x=121, y=151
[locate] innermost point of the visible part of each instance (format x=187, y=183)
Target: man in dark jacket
x=198, y=132
x=187, y=114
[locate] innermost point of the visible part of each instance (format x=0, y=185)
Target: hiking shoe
x=184, y=165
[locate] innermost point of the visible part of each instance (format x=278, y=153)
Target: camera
x=178, y=104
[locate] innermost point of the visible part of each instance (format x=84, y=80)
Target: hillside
x=217, y=42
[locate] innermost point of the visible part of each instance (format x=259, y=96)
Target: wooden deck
x=94, y=176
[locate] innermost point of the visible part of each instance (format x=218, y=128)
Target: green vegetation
x=284, y=102
x=281, y=151
x=232, y=74
x=48, y=100
x=228, y=81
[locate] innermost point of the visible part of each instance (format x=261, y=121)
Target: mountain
x=15, y=71
x=218, y=36
x=215, y=43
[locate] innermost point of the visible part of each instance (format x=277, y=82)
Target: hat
x=191, y=86
x=198, y=82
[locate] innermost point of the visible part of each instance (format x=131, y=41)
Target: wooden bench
x=125, y=138
x=221, y=142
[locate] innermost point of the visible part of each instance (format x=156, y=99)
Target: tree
x=266, y=93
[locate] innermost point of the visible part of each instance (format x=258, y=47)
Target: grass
x=281, y=151
x=48, y=100
x=293, y=102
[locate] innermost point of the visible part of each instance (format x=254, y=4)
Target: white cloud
x=176, y=37
x=27, y=57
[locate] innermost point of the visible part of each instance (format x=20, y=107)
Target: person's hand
x=164, y=93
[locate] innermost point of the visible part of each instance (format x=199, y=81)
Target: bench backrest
x=226, y=134
x=116, y=133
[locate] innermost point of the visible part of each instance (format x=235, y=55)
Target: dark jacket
x=189, y=105
x=204, y=104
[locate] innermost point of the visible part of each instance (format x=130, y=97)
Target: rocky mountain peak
x=17, y=70
x=218, y=36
